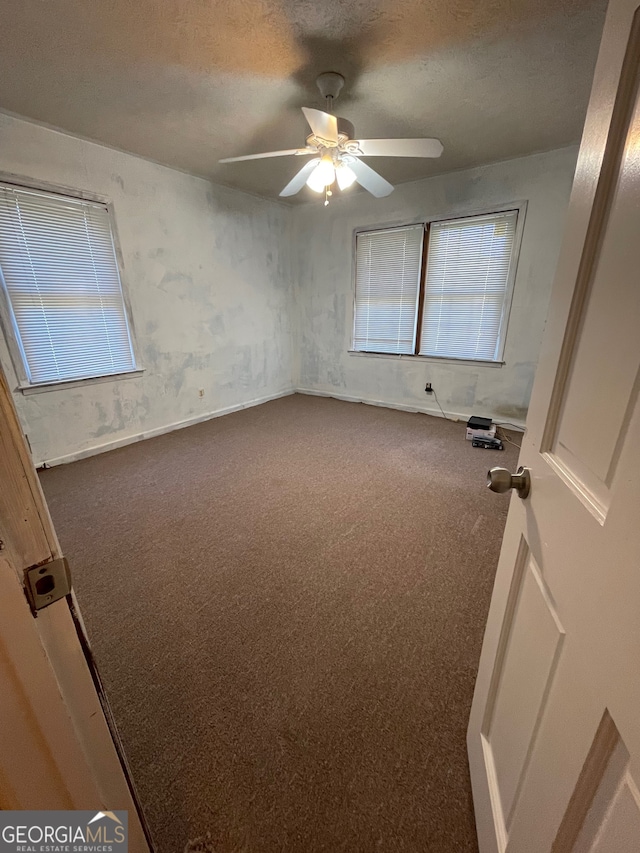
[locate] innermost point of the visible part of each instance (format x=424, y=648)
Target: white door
x=554, y=734
x=56, y=749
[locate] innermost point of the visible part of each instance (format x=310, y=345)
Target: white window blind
x=387, y=286
x=466, y=285
x=61, y=278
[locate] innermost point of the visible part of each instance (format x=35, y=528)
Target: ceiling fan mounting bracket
x=330, y=83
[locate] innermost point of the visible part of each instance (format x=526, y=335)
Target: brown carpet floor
x=287, y=607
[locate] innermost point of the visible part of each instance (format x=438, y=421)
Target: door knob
x=500, y=480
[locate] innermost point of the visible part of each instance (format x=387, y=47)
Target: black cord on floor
x=503, y=437
x=497, y=423
x=508, y=423
x=440, y=407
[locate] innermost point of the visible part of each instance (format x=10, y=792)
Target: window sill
x=433, y=358
x=77, y=383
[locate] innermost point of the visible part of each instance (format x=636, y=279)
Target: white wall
x=324, y=289
x=206, y=270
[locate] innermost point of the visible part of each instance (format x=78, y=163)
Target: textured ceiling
x=186, y=82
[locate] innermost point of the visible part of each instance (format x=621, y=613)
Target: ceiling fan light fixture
x=336, y=152
x=345, y=176
x=323, y=175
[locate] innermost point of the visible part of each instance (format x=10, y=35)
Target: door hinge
x=47, y=583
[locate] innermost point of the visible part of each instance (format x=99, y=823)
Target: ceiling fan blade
x=323, y=125
x=300, y=179
x=268, y=154
x=370, y=180
x=400, y=147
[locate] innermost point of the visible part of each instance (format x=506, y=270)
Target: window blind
x=387, y=286
x=466, y=285
x=61, y=277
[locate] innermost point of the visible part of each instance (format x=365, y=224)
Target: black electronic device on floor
x=487, y=443
x=475, y=422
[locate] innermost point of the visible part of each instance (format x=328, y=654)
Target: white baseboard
x=141, y=436
x=152, y=433
x=463, y=417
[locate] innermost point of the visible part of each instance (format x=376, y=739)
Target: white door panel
x=554, y=734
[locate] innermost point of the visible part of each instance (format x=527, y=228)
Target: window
x=60, y=278
x=450, y=301
x=387, y=288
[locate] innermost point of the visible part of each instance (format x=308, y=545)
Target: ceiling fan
x=337, y=153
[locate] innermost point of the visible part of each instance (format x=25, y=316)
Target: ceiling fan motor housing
x=345, y=128
x=346, y=132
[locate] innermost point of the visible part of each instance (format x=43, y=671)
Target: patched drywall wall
x=247, y=299
x=206, y=271
x=324, y=289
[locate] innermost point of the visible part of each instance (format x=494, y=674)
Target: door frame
x=62, y=748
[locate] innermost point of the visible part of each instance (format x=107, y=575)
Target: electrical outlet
x=428, y=388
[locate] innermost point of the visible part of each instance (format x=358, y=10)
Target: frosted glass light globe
x=323, y=175
x=345, y=176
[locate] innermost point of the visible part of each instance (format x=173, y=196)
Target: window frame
x=521, y=208
x=8, y=325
